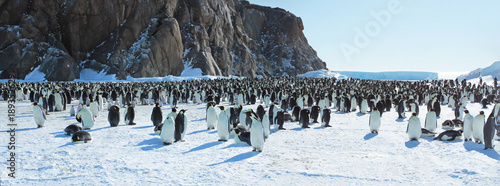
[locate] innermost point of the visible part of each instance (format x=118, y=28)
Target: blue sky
x=396, y=35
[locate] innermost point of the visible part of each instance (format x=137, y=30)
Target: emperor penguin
x=58, y=102
x=459, y=112
x=325, y=118
x=223, y=125
x=295, y=113
x=86, y=117
x=477, y=127
x=241, y=135
x=304, y=118
x=156, y=115
x=256, y=132
x=489, y=132
x=374, y=122
x=401, y=109
x=414, y=108
x=114, y=116
x=94, y=107
x=437, y=107
x=72, y=111
x=414, y=128
x=266, y=125
x=279, y=120
x=167, y=131
x=211, y=117
x=315, y=113
x=468, y=120
x=180, y=125
x=364, y=106
x=129, y=115
x=71, y=129
x=431, y=121
x=173, y=113
x=81, y=137
x=449, y=135
x=39, y=115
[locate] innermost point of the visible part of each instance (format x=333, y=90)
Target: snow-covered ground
x=343, y=154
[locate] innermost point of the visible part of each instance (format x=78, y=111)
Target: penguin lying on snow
x=427, y=133
x=449, y=135
x=71, y=129
x=81, y=137
x=448, y=124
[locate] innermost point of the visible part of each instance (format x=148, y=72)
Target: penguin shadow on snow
x=239, y=157
x=370, y=136
x=198, y=131
x=204, y=146
x=67, y=144
x=143, y=127
x=151, y=144
x=233, y=145
x=360, y=114
x=400, y=120
x=471, y=146
x=202, y=119
x=412, y=144
x=61, y=135
x=25, y=129
x=429, y=139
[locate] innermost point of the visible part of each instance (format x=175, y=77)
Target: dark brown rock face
x=146, y=38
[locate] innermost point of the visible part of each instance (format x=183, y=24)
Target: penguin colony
x=303, y=101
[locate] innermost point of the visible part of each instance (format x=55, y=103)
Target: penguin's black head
x=248, y=113
x=221, y=107
x=183, y=110
x=466, y=111
x=375, y=108
x=460, y=131
x=237, y=131
x=481, y=113
x=414, y=114
x=157, y=105
x=35, y=103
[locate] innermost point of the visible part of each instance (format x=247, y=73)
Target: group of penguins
x=287, y=99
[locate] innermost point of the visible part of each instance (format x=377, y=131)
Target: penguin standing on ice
x=374, y=122
x=304, y=118
x=72, y=111
x=414, y=128
x=129, y=115
x=167, y=131
x=211, y=117
x=468, y=120
x=437, y=108
x=295, y=113
x=325, y=118
x=39, y=115
x=489, y=132
x=94, y=107
x=315, y=113
x=114, y=116
x=431, y=121
x=477, y=128
x=363, y=108
x=267, y=125
x=256, y=132
x=223, y=125
x=401, y=109
x=459, y=112
x=180, y=126
x=86, y=118
x=280, y=120
x=156, y=115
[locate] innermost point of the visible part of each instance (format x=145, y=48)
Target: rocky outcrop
x=146, y=38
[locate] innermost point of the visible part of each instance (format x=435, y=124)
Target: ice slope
x=343, y=154
x=492, y=70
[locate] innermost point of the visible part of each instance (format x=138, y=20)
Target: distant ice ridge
x=493, y=70
x=323, y=74
x=394, y=75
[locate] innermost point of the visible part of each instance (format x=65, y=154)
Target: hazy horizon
x=431, y=36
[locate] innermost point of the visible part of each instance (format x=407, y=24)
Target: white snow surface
x=391, y=75
x=35, y=76
x=345, y=154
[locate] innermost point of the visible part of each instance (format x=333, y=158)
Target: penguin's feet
x=222, y=140
x=281, y=128
x=328, y=126
x=164, y=143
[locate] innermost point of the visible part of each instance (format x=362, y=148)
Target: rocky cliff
x=146, y=38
